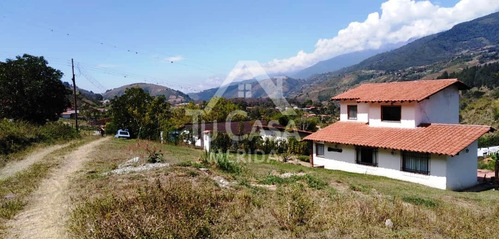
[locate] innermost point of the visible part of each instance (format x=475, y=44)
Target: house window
x=416, y=162
x=352, y=112
x=366, y=156
x=332, y=149
x=391, y=113
x=320, y=149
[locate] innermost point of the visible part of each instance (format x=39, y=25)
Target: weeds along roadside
x=185, y=201
x=18, y=137
x=15, y=191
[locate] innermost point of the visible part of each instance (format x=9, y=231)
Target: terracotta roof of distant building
x=447, y=139
x=234, y=127
x=398, y=91
x=243, y=127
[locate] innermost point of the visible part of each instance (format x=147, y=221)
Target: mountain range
x=466, y=44
x=342, y=61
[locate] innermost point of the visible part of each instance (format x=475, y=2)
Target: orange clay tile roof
x=398, y=91
x=448, y=139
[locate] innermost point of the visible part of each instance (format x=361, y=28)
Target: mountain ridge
x=466, y=44
x=173, y=96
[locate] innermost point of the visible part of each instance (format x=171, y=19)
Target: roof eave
x=391, y=148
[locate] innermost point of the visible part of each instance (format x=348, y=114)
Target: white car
x=122, y=134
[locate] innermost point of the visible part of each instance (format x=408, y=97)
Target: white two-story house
x=403, y=130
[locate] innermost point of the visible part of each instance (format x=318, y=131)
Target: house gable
x=436, y=101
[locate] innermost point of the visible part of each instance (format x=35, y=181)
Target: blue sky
x=121, y=42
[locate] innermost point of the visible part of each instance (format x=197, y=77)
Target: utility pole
x=74, y=95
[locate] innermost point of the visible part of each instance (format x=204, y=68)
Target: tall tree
x=130, y=109
x=31, y=90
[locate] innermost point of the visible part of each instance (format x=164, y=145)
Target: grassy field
x=184, y=200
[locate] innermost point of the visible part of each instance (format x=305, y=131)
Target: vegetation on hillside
x=476, y=34
x=480, y=106
x=18, y=135
x=468, y=44
x=476, y=76
x=173, y=96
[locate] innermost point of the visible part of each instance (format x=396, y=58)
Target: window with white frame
x=416, y=162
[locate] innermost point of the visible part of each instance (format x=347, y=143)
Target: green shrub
x=17, y=135
x=490, y=165
x=57, y=131
x=222, y=161
x=185, y=164
x=420, y=201
x=111, y=128
x=303, y=158
x=359, y=188
x=315, y=183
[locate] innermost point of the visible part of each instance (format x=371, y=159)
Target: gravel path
x=46, y=214
x=17, y=166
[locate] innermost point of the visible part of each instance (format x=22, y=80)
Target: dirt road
x=46, y=214
x=17, y=166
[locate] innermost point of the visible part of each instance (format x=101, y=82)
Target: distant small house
x=69, y=114
x=403, y=130
x=481, y=152
x=202, y=134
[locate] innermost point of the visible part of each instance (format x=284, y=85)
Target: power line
x=102, y=43
x=90, y=79
x=133, y=52
x=128, y=75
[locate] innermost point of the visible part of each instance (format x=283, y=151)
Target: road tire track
x=17, y=166
x=47, y=212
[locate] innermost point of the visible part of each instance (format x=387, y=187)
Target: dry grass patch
x=183, y=201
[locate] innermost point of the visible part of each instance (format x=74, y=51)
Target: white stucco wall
x=407, y=115
x=462, y=168
x=363, y=110
x=206, y=141
x=442, y=107
x=277, y=134
x=389, y=165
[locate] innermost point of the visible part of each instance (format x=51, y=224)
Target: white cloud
x=398, y=21
x=209, y=82
x=174, y=58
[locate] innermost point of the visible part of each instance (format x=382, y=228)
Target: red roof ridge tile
x=398, y=91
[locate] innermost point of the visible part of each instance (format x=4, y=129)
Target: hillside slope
x=341, y=61
x=464, y=37
x=173, y=96
x=467, y=44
